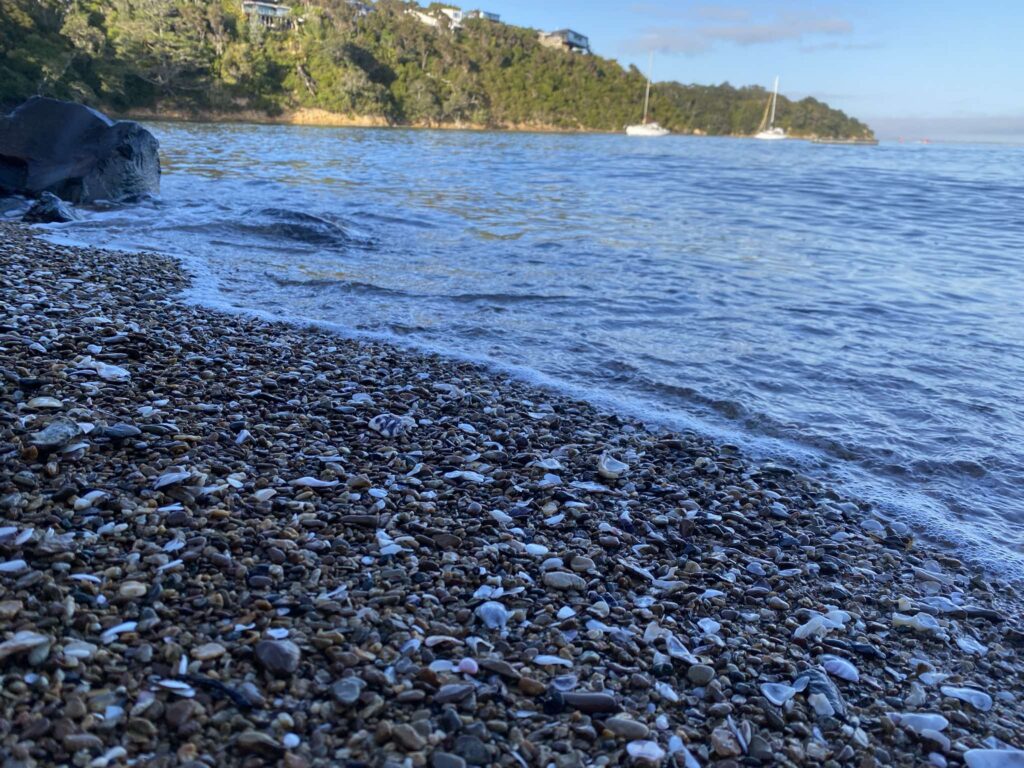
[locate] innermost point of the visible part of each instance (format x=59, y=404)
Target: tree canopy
x=206, y=56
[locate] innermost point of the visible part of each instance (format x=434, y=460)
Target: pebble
x=626, y=728
x=279, y=657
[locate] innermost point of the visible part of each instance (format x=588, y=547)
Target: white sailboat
x=651, y=129
x=768, y=131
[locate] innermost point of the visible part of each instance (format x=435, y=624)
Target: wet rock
x=49, y=209
x=76, y=153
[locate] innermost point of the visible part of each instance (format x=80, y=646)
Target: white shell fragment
x=777, y=693
x=390, y=425
x=994, y=758
x=111, y=634
x=920, y=721
x=840, y=667
x=611, y=468
x=980, y=700
x=645, y=752
x=921, y=622
x=545, y=660
x=312, y=482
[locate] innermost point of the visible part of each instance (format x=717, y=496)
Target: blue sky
x=938, y=69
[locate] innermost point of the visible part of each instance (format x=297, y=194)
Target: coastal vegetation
x=382, y=64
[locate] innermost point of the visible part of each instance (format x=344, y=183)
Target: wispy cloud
x=833, y=45
x=711, y=25
x=721, y=13
x=961, y=127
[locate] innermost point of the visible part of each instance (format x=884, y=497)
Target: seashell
x=13, y=566
x=89, y=500
x=435, y=640
x=545, y=660
x=817, y=682
x=552, y=465
x=110, y=635
x=171, y=478
x=582, y=485
x=390, y=425
x=709, y=626
x=970, y=645
x=549, y=481
x=917, y=722
x=565, y=612
x=22, y=642
x=56, y=434
x=921, y=622
x=468, y=666
x=777, y=693
x=994, y=758
x=473, y=477
x=611, y=468
x=645, y=752
x=361, y=398
x=537, y=550
x=40, y=403
x=79, y=649
x=840, y=667
x=821, y=705
x=501, y=518
x=178, y=688
x=264, y=494
x=278, y=633
x=469, y=429
x=106, y=371
x=492, y=614
x=312, y=482
x=980, y=700
x=565, y=683
x=675, y=648
x=667, y=692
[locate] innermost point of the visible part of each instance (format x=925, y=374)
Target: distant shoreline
x=321, y=118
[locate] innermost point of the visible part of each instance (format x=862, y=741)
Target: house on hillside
x=437, y=18
x=566, y=39
x=269, y=15
x=485, y=15
x=360, y=7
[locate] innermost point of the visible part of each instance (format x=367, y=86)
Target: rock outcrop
x=49, y=209
x=76, y=153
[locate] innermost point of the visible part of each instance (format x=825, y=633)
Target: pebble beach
x=225, y=541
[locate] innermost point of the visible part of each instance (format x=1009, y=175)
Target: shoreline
x=232, y=476
x=320, y=118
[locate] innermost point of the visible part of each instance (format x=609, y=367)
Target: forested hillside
x=207, y=57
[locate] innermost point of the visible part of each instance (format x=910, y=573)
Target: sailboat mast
x=775, y=96
x=647, y=95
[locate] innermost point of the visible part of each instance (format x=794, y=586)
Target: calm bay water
x=857, y=313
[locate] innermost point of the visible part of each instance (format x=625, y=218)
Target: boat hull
x=774, y=134
x=649, y=130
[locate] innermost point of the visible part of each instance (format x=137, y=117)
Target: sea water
x=856, y=313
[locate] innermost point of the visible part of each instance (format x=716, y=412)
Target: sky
x=933, y=69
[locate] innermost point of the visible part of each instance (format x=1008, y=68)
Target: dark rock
x=592, y=702
x=75, y=152
x=446, y=760
x=472, y=750
x=49, y=209
x=279, y=657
